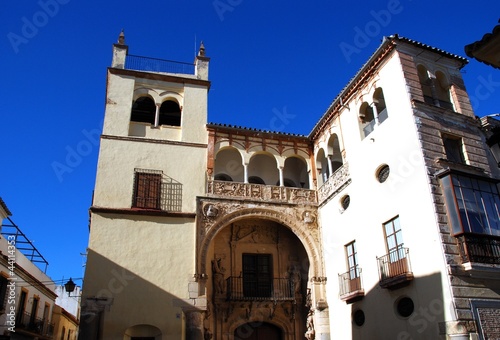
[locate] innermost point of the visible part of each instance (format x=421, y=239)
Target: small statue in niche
x=308, y=217
x=310, y=326
x=218, y=272
x=208, y=335
x=295, y=279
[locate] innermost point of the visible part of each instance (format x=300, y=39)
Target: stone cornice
x=154, y=141
x=159, y=76
x=143, y=212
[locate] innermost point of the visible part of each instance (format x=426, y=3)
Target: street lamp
x=70, y=286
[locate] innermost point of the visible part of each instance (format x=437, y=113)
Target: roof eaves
x=255, y=130
x=4, y=206
x=388, y=43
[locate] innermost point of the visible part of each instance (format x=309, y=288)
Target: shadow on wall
x=411, y=312
x=119, y=304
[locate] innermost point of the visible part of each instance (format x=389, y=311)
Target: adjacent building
x=27, y=296
x=382, y=223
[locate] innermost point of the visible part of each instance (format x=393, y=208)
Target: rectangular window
x=154, y=190
x=20, y=320
x=454, y=149
x=394, y=239
x=147, y=189
x=3, y=292
x=257, y=275
x=473, y=204
x=352, y=260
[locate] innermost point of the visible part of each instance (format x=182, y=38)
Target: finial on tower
x=120, y=51
x=201, y=63
x=201, y=52
x=121, y=38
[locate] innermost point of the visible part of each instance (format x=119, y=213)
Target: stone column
x=375, y=114
x=319, y=307
x=194, y=324
x=157, y=115
x=245, y=173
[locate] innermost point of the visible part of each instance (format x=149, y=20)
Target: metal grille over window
x=154, y=190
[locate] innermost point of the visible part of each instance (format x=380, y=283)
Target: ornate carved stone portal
x=259, y=259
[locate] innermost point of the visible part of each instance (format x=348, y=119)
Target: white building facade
x=381, y=224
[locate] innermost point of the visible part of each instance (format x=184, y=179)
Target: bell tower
x=142, y=218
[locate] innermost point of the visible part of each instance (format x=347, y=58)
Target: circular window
x=358, y=317
x=383, y=173
x=405, y=307
x=345, y=201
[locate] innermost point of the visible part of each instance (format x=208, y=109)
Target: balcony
x=276, y=289
x=336, y=182
x=395, y=269
x=138, y=63
x=25, y=322
x=260, y=192
x=476, y=248
x=350, y=286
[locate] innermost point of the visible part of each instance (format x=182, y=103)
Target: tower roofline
x=386, y=47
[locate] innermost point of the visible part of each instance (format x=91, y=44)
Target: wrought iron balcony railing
x=351, y=286
x=26, y=322
x=276, y=289
x=395, y=269
x=138, y=63
x=261, y=192
x=479, y=248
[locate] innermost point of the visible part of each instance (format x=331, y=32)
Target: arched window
x=229, y=165
x=143, y=110
x=295, y=172
x=435, y=89
x=443, y=91
x=367, y=119
x=426, y=84
x=264, y=167
x=379, y=101
x=322, y=167
x=334, y=153
x=170, y=113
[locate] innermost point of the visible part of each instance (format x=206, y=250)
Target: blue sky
x=275, y=65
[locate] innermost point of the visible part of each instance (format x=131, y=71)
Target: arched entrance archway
x=258, y=331
x=258, y=263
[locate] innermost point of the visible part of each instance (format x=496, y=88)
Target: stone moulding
x=336, y=182
x=301, y=221
x=261, y=193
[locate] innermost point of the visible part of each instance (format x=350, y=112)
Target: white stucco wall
x=405, y=194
